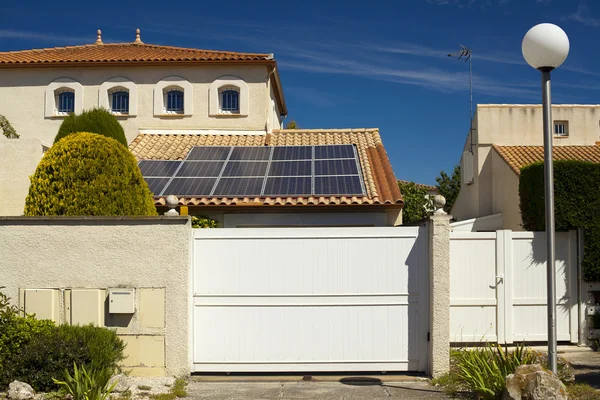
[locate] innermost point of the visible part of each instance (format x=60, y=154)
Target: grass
x=126, y=394
x=177, y=390
x=582, y=391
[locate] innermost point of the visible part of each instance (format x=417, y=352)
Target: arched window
x=65, y=102
x=229, y=100
x=174, y=101
x=119, y=101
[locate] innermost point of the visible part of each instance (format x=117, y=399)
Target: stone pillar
x=439, y=289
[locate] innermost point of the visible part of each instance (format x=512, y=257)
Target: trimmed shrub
x=88, y=174
x=576, y=204
x=48, y=356
x=97, y=120
x=16, y=332
x=202, y=221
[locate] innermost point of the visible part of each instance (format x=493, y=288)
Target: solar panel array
x=240, y=171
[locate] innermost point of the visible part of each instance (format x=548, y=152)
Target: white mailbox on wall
x=121, y=301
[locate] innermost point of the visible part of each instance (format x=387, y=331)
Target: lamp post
x=545, y=47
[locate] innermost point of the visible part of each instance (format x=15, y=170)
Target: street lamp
x=545, y=47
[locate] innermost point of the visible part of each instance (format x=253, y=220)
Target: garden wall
x=64, y=267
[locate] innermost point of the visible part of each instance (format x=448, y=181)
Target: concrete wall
x=521, y=124
x=18, y=160
x=22, y=97
x=505, y=194
x=150, y=255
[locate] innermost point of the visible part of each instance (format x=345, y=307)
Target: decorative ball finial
x=172, y=202
x=137, y=36
x=439, y=202
x=99, y=38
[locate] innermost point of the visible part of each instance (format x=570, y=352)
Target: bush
x=88, y=174
x=47, y=356
x=16, y=332
x=483, y=371
x=204, y=222
x=418, y=204
x=87, y=385
x=97, y=120
x=576, y=204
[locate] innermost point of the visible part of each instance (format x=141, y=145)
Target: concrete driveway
x=373, y=388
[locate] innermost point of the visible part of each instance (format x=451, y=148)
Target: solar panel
x=190, y=186
x=156, y=185
x=158, y=167
x=336, y=151
x=290, y=168
x=288, y=186
x=330, y=170
x=338, y=185
x=200, y=169
x=250, y=153
x=209, y=153
x=288, y=153
x=336, y=167
x=230, y=187
x=240, y=168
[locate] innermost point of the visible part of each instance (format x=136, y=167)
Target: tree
x=97, y=120
x=449, y=186
x=292, y=125
x=417, y=202
x=7, y=129
x=88, y=174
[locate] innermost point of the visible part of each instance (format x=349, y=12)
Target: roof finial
x=99, y=39
x=137, y=36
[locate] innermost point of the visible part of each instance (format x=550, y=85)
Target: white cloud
x=582, y=16
x=45, y=37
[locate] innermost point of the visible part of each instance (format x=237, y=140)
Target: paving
x=586, y=363
x=328, y=390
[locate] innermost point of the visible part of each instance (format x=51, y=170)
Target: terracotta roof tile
x=518, y=157
x=122, y=53
x=379, y=179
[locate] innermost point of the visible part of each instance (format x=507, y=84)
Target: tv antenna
x=464, y=54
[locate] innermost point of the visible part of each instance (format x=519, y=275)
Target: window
x=119, y=102
x=174, y=101
x=229, y=100
x=63, y=97
x=561, y=128
x=174, y=97
x=228, y=97
x=65, y=103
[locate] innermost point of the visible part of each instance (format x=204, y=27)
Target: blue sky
x=352, y=64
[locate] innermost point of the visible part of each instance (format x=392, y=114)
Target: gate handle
x=499, y=279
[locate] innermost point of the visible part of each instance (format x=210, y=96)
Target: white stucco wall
x=18, y=160
x=521, y=124
x=505, y=194
x=22, y=97
x=88, y=252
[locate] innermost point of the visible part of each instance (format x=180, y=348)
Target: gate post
x=439, y=289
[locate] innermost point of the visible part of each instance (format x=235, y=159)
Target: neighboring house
x=506, y=138
x=169, y=99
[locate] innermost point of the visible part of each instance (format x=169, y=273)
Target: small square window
x=65, y=102
x=119, y=102
x=229, y=100
x=174, y=101
x=561, y=128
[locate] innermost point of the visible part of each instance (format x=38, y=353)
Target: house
x=503, y=139
x=173, y=101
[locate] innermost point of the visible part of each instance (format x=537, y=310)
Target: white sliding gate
x=310, y=299
x=498, y=286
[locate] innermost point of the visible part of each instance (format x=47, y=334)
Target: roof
x=518, y=157
x=379, y=179
x=122, y=53
x=420, y=185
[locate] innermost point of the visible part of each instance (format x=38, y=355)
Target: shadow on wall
x=538, y=257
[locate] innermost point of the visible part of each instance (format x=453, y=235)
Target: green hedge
x=576, y=204
x=97, y=120
x=88, y=174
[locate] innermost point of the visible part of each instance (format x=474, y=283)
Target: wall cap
x=94, y=220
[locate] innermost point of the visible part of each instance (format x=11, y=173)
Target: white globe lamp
x=545, y=47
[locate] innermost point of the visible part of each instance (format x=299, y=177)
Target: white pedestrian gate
x=498, y=286
x=310, y=299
